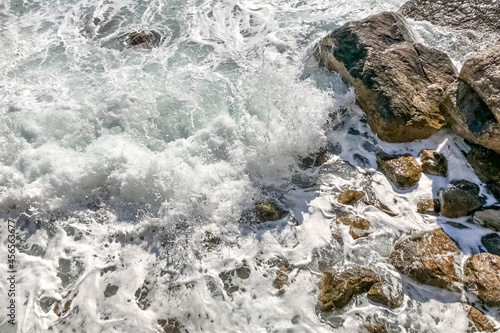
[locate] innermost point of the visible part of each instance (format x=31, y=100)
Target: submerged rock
x=482, y=277
x=480, y=321
x=358, y=226
x=146, y=39
x=338, y=288
x=428, y=207
x=350, y=197
x=386, y=294
x=486, y=164
x=481, y=15
x=491, y=243
x=429, y=257
x=399, y=84
x=433, y=163
x=268, y=211
x=472, y=104
x=171, y=325
x=489, y=218
x=403, y=171
x=461, y=199
x=322, y=157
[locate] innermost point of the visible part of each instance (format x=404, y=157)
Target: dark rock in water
x=403, y=171
x=472, y=104
x=376, y=327
x=338, y=288
x=390, y=296
x=491, y=242
x=268, y=211
x=146, y=39
x=481, y=15
x=489, y=218
x=460, y=200
x=480, y=321
x=433, y=163
x=399, y=84
x=428, y=207
x=350, y=197
x=429, y=257
x=211, y=241
x=322, y=158
x=482, y=278
x=358, y=226
x=171, y=325
x=111, y=290
x=486, y=164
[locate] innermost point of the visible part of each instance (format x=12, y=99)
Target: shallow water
x=128, y=169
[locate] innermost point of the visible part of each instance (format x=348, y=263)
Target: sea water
x=128, y=170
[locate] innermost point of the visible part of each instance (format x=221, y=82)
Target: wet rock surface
x=350, y=197
x=433, y=163
x=147, y=39
x=428, y=207
x=399, y=84
x=268, y=211
x=358, y=226
x=403, y=171
x=338, y=288
x=479, y=15
x=486, y=164
x=491, y=243
x=480, y=321
x=482, y=277
x=461, y=199
x=429, y=257
x=489, y=218
x=386, y=294
x=472, y=104
x=171, y=325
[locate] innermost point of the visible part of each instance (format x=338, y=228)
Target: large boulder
x=489, y=218
x=399, y=84
x=429, y=257
x=482, y=277
x=472, y=104
x=338, y=288
x=486, y=164
x=460, y=200
x=403, y=171
x=481, y=15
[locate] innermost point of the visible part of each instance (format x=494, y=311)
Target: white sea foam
x=116, y=161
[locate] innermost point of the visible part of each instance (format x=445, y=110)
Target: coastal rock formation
x=461, y=199
x=482, y=278
x=486, y=164
x=481, y=15
x=429, y=257
x=428, y=207
x=433, y=163
x=387, y=294
x=472, y=104
x=358, y=226
x=268, y=211
x=403, y=171
x=399, y=84
x=350, y=197
x=482, y=323
x=489, y=218
x=338, y=288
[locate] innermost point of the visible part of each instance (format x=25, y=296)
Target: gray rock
x=399, y=84
x=489, y=218
x=462, y=199
x=491, y=242
x=486, y=164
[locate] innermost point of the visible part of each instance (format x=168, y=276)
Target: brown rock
x=472, y=104
x=429, y=257
x=350, y=197
x=322, y=157
x=428, y=206
x=403, y=171
x=460, y=200
x=358, y=225
x=171, y=325
x=337, y=288
x=482, y=323
x=399, y=84
x=482, y=277
x=268, y=211
x=138, y=38
x=433, y=163
x=386, y=294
